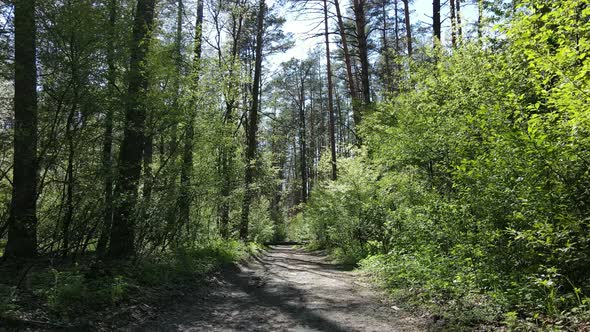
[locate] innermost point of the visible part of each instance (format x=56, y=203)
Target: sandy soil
x=285, y=289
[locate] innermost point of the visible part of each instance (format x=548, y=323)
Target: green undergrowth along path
x=52, y=294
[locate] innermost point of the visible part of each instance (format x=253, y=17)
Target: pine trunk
x=408, y=26
x=363, y=52
x=330, y=96
x=436, y=21
x=22, y=229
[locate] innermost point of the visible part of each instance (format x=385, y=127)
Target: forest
x=444, y=156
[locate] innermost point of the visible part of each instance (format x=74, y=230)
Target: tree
x=408, y=26
x=22, y=229
x=187, y=157
x=107, y=153
x=436, y=32
x=251, y=146
x=363, y=51
x=453, y=24
x=122, y=233
x=330, y=92
x=349, y=73
x=237, y=15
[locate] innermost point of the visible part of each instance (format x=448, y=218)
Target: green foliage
x=262, y=228
x=69, y=290
x=72, y=291
x=345, y=215
x=473, y=191
x=188, y=263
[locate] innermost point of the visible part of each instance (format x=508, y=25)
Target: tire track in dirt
x=286, y=289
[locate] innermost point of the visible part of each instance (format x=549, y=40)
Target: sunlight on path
x=287, y=290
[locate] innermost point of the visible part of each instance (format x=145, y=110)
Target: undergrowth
x=68, y=292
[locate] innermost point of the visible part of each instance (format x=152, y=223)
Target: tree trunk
x=330, y=96
x=453, y=24
x=148, y=177
x=107, y=145
x=397, y=48
x=22, y=229
x=226, y=152
x=350, y=77
x=187, y=156
x=388, y=69
x=458, y=16
x=408, y=26
x=361, y=36
x=69, y=181
x=123, y=232
x=253, y=125
x=436, y=21
x=302, y=140
x=480, y=19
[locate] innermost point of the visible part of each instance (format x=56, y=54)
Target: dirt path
x=286, y=290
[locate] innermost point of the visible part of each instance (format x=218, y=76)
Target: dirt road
x=286, y=290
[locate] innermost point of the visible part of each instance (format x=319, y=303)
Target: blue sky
x=302, y=25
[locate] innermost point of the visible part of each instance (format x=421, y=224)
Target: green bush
x=187, y=263
x=68, y=291
x=262, y=228
x=346, y=216
x=473, y=189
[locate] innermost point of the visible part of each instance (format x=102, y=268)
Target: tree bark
x=302, y=138
x=187, y=156
x=436, y=22
x=361, y=36
x=69, y=180
x=107, y=145
x=122, y=231
x=479, y=19
x=226, y=159
x=458, y=16
x=253, y=125
x=408, y=26
x=388, y=69
x=453, y=24
x=22, y=229
x=330, y=96
x=350, y=76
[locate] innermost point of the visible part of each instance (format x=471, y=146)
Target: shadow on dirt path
x=286, y=289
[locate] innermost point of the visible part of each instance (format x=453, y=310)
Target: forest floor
x=285, y=289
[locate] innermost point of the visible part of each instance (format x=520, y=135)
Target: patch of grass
x=189, y=263
x=314, y=245
x=428, y=286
